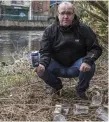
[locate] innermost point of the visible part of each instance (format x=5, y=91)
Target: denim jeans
x=56, y=70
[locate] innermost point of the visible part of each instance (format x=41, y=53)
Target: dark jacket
x=66, y=45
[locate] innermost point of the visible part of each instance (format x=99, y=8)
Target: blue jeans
x=55, y=70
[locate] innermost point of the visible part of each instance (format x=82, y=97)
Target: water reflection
x=15, y=41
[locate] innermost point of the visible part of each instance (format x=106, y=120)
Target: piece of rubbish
x=65, y=109
x=59, y=117
x=96, y=99
x=57, y=114
x=80, y=109
x=58, y=109
x=102, y=114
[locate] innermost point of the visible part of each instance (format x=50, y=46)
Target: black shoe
x=57, y=92
x=51, y=91
x=82, y=95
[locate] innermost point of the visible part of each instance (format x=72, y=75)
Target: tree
x=95, y=14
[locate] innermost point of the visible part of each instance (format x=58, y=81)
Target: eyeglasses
x=69, y=13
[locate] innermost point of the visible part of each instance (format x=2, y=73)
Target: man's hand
x=85, y=67
x=40, y=68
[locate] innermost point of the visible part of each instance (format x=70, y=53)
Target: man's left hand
x=85, y=67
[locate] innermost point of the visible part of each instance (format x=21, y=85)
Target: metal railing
x=26, y=17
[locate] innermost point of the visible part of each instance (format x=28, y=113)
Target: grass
x=23, y=97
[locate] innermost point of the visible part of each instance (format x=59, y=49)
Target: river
x=17, y=41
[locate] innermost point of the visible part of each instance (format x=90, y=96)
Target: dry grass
x=23, y=97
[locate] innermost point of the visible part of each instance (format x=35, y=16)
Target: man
x=69, y=49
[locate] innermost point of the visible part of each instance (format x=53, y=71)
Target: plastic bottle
x=80, y=109
x=102, y=114
x=96, y=99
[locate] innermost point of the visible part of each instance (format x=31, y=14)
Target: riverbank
x=23, y=96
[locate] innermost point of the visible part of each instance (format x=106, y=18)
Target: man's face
x=65, y=14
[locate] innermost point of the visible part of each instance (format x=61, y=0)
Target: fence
x=23, y=24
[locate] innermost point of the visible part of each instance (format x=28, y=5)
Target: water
x=16, y=41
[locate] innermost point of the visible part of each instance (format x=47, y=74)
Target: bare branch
x=97, y=5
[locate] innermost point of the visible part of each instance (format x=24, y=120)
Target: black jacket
x=66, y=45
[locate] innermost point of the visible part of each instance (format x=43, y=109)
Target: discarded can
x=35, y=57
x=58, y=109
x=57, y=116
x=65, y=108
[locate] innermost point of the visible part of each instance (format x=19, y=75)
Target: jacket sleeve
x=93, y=48
x=45, y=48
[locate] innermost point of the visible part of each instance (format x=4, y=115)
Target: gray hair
x=66, y=3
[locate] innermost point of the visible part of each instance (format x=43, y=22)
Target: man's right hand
x=40, y=68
